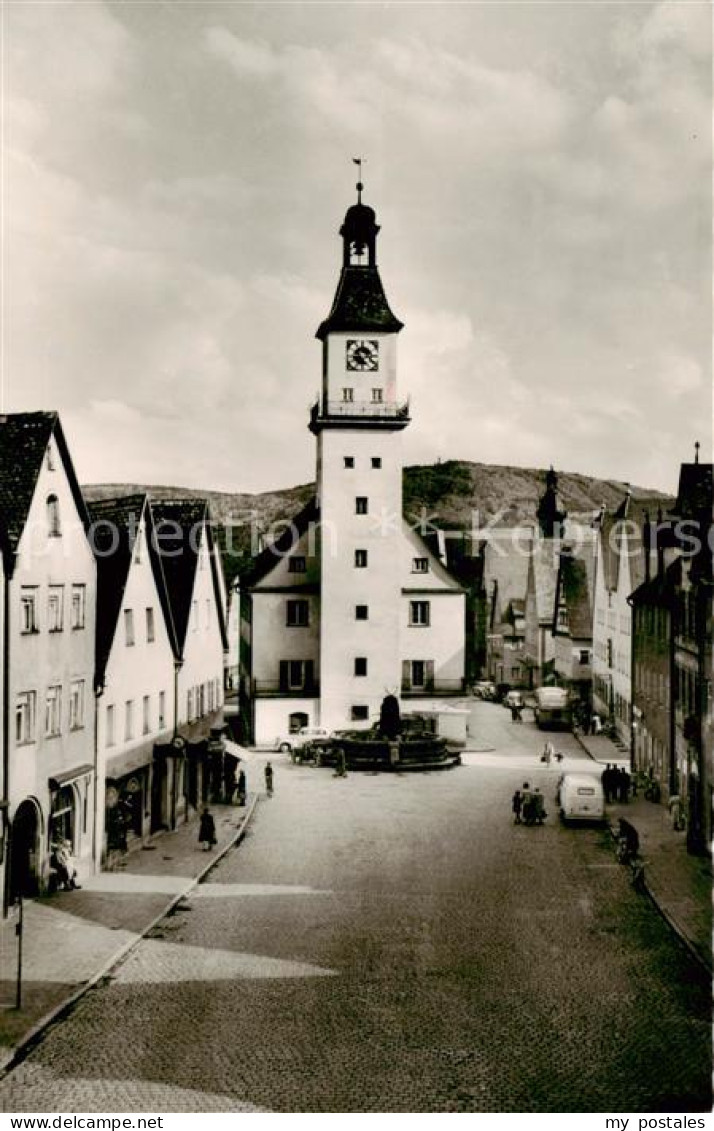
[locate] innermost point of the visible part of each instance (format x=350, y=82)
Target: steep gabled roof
x=176, y=522
x=545, y=573
x=115, y=523
x=270, y=557
x=627, y=525
x=575, y=592
x=24, y=437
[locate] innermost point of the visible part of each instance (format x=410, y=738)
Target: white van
x=580, y=797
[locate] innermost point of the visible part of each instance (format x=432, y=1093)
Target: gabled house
x=693, y=701
x=507, y=642
x=573, y=622
x=620, y=569
x=543, y=563
x=136, y=649
x=48, y=632
x=160, y=650
x=195, y=591
x=653, y=606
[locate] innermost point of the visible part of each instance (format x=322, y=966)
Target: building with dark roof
x=573, y=621
x=160, y=648
x=48, y=644
x=350, y=603
x=622, y=564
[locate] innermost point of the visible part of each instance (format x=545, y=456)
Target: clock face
x=363, y=355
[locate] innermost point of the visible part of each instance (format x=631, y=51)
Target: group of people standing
x=528, y=806
x=616, y=783
x=233, y=786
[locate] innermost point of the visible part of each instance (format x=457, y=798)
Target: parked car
x=580, y=797
x=294, y=743
x=485, y=689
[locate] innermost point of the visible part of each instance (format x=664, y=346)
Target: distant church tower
x=550, y=516
x=358, y=422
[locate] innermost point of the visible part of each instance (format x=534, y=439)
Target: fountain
x=394, y=743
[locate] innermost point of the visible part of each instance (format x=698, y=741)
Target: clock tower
x=358, y=421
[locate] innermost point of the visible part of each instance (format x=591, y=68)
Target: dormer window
x=53, y=516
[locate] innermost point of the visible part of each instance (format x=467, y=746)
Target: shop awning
x=237, y=751
x=68, y=776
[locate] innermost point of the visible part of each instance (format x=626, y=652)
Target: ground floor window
x=62, y=817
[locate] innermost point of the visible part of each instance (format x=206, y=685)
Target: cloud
x=410, y=80
x=677, y=375
x=174, y=186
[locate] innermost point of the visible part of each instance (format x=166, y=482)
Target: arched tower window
x=53, y=515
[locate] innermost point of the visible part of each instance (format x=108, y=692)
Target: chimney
x=696, y=451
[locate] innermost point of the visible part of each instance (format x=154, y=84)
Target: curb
x=670, y=919
x=581, y=744
x=16, y=1055
x=674, y=925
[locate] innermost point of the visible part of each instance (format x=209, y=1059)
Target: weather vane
x=358, y=162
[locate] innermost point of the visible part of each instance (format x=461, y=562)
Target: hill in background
x=449, y=493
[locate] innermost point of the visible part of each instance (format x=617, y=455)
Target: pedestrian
x=229, y=781
x=605, y=778
x=516, y=805
x=624, y=784
x=548, y=752
x=62, y=861
x=340, y=763
x=206, y=830
x=527, y=804
x=269, y=778
x=241, y=787
x=595, y=723
x=538, y=804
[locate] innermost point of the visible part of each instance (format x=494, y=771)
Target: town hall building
x=350, y=604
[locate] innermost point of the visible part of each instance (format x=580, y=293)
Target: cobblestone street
x=395, y=943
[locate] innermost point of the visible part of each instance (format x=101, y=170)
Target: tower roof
x=360, y=303
x=549, y=512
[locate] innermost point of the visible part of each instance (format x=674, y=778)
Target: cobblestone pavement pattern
x=394, y=943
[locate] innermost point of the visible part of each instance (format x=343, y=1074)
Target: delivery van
x=580, y=797
x=552, y=708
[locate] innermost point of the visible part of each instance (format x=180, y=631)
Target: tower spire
x=360, y=186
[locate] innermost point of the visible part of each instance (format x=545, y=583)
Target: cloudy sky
x=176, y=173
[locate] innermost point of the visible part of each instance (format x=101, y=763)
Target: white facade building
x=354, y=605
x=135, y=666
x=160, y=646
x=619, y=571
x=49, y=590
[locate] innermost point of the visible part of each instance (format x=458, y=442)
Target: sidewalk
x=72, y=938
x=680, y=885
